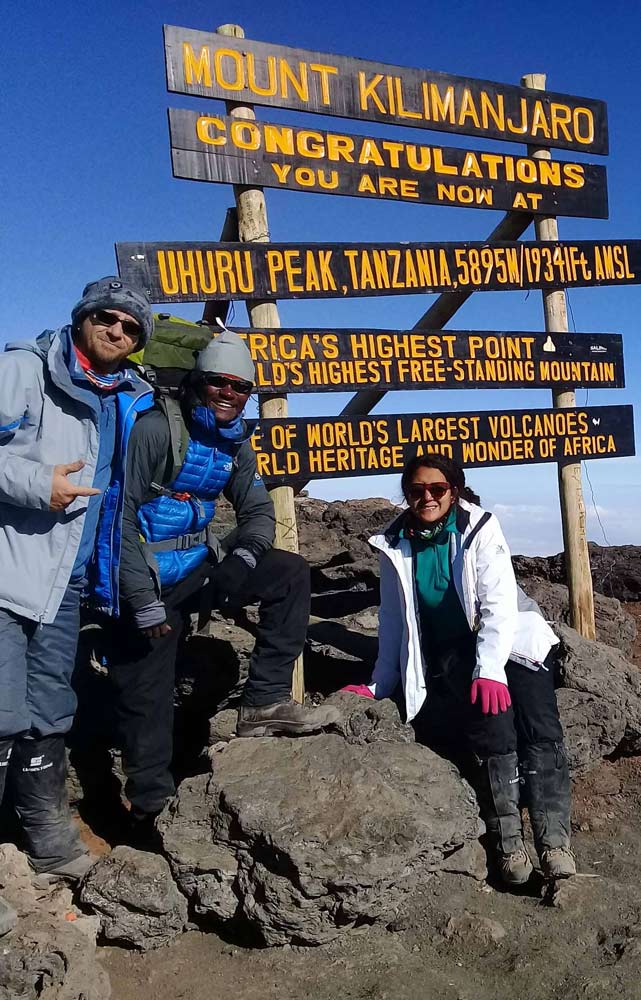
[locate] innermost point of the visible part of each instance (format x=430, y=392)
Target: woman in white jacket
x=476, y=659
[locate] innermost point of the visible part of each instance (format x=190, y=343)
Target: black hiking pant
x=491, y=751
x=143, y=670
x=452, y=726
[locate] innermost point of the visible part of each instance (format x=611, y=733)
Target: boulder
x=50, y=954
x=299, y=839
x=600, y=700
x=614, y=626
x=616, y=569
x=364, y=720
x=136, y=898
x=49, y=958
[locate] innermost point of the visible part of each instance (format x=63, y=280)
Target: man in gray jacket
x=167, y=568
x=63, y=401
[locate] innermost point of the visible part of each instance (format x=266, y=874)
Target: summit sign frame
x=205, y=64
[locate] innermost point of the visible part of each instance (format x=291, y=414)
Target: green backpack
x=164, y=362
x=171, y=351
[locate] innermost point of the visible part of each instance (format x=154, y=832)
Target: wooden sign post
x=253, y=228
x=577, y=556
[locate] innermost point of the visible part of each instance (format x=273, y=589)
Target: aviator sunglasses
x=416, y=491
x=103, y=318
x=237, y=384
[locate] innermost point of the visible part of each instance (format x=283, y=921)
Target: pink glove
x=495, y=696
x=361, y=689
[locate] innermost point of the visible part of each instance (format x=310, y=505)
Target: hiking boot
x=548, y=791
x=285, y=718
x=74, y=870
x=8, y=917
x=141, y=832
x=38, y=772
x=558, y=862
x=515, y=868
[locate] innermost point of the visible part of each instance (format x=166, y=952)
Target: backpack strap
x=475, y=530
x=178, y=434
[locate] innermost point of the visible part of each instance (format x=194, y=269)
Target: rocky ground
x=360, y=843
x=455, y=938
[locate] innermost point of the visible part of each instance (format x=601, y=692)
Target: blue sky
x=87, y=164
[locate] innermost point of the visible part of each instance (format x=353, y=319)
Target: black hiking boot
x=496, y=783
x=38, y=772
x=549, y=798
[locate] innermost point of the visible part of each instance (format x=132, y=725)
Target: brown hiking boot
x=515, y=868
x=558, y=862
x=285, y=718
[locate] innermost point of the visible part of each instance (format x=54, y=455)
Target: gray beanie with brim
x=112, y=293
x=227, y=354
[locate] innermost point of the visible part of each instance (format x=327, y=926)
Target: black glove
x=230, y=581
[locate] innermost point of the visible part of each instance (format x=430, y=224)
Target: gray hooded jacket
x=43, y=422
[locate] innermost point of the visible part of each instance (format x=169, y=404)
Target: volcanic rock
x=616, y=569
x=136, y=898
x=599, y=701
x=299, y=839
x=51, y=952
x=614, y=626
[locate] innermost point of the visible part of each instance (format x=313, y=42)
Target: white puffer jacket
x=509, y=625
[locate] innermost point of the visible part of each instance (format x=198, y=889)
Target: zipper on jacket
x=115, y=564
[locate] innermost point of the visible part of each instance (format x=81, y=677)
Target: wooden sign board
x=349, y=360
x=319, y=448
x=196, y=272
x=227, y=150
x=205, y=64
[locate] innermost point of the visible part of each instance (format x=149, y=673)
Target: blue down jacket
x=174, y=523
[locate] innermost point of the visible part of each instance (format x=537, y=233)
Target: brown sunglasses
x=416, y=491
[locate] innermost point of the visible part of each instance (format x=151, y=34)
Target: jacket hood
x=39, y=346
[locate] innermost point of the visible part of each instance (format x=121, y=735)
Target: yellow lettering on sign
x=495, y=112
x=367, y=91
x=468, y=109
x=573, y=174
x=271, y=88
x=298, y=83
x=366, y=185
x=236, y=80
x=245, y=134
x=370, y=154
x=196, y=69
x=203, y=126
x=325, y=72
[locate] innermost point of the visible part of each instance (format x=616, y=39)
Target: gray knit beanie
x=112, y=293
x=227, y=354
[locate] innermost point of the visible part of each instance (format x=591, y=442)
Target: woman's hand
x=495, y=696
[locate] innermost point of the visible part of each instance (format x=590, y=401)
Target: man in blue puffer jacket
x=165, y=563
x=66, y=404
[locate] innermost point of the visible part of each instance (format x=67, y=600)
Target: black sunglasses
x=101, y=317
x=239, y=385
x=416, y=491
